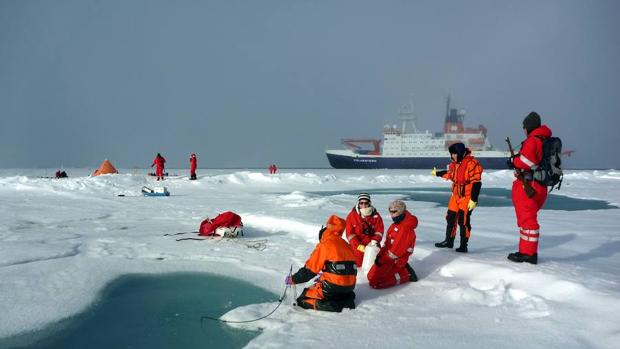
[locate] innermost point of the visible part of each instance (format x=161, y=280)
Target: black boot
x=412, y=276
x=519, y=257
x=448, y=242
x=463, y=247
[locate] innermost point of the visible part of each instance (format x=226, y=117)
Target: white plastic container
x=370, y=254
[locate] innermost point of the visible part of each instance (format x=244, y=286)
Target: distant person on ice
x=466, y=175
x=61, y=174
x=192, y=167
x=334, y=260
x=364, y=227
x=159, y=162
x=392, y=263
x=528, y=159
x=273, y=169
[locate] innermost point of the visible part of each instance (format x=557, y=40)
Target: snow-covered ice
x=62, y=241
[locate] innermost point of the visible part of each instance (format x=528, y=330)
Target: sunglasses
x=393, y=211
x=364, y=203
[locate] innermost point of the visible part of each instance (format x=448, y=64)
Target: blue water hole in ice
x=153, y=311
x=489, y=197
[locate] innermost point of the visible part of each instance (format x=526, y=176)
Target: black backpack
x=549, y=171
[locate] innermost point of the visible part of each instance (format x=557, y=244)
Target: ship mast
x=454, y=119
x=406, y=115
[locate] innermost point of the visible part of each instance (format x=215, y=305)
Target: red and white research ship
x=408, y=148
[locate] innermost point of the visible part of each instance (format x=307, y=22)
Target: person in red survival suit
x=391, y=265
x=159, y=162
x=526, y=209
x=334, y=261
x=364, y=226
x=192, y=167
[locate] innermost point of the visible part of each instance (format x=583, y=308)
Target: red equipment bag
x=226, y=224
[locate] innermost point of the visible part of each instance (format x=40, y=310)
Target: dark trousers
x=333, y=303
x=462, y=219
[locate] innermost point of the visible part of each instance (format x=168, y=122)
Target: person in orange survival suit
x=335, y=261
x=526, y=209
x=392, y=263
x=364, y=227
x=465, y=172
x=192, y=167
x=159, y=162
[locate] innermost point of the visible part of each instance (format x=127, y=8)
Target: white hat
x=397, y=205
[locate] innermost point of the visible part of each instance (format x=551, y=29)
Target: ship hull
x=380, y=162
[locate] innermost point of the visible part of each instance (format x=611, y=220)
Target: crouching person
x=364, y=227
x=334, y=259
x=391, y=265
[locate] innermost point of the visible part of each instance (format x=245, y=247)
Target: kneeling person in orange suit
x=335, y=261
x=391, y=265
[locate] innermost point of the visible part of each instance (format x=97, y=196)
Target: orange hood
x=334, y=227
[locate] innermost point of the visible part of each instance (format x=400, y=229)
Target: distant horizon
x=265, y=168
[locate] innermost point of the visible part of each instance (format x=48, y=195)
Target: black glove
x=509, y=163
x=321, y=232
x=377, y=261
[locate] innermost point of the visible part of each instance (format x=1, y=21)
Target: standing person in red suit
x=192, y=167
x=526, y=209
x=270, y=169
x=275, y=168
x=159, y=162
x=392, y=263
x=364, y=227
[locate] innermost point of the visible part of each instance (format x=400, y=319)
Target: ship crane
x=568, y=153
x=354, y=144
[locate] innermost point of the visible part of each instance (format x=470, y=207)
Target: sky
x=244, y=84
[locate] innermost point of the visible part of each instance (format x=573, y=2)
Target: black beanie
x=531, y=122
x=458, y=149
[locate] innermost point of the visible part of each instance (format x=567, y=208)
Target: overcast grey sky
x=250, y=83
